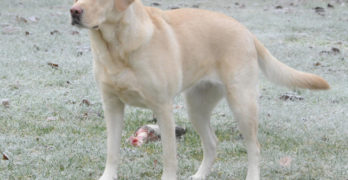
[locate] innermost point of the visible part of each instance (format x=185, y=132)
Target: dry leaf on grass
x=155, y=4
x=320, y=11
x=5, y=156
x=85, y=102
x=291, y=97
x=53, y=65
x=5, y=102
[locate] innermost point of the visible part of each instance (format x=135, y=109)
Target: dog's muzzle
x=76, y=13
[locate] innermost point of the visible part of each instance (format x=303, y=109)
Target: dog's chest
x=125, y=85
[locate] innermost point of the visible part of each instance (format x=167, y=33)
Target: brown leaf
x=285, y=161
x=155, y=4
x=75, y=32
x=291, y=97
x=279, y=7
x=54, y=32
x=335, y=50
x=317, y=64
x=21, y=19
x=5, y=156
x=53, y=65
x=27, y=33
x=86, y=102
x=320, y=10
x=5, y=102
x=174, y=7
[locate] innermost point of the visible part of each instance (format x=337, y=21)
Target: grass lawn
x=51, y=119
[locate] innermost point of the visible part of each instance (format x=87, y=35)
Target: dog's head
x=92, y=13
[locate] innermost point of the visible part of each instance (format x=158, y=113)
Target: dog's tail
x=282, y=74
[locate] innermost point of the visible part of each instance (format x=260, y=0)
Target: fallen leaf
x=79, y=53
x=279, y=7
x=285, y=161
x=324, y=52
x=174, y=7
x=156, y=4
x=75, y=32
x=290, y=97
x=320, y=10
x=5, y=156
x=21, y=19
x=330, y=5
x=86, y=102
x=53, y=65
x=5, y=102
x=54, y=32
x=335, y=50
x=27, y=33
x=317, y=64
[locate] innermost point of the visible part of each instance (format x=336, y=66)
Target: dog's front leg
x=113, y=112
x=167, y=128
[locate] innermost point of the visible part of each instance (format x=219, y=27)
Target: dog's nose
x=76, y=12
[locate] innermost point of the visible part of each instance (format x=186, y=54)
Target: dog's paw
x=197, y=177
x=108, y=177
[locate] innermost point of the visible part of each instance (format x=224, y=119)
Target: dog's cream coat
x=144, y=57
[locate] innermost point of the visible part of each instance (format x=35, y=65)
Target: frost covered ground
x=51, y=121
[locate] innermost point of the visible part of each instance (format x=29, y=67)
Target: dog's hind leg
x=201, y=101
x=241, y=93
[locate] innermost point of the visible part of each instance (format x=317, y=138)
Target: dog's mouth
x=77, y=23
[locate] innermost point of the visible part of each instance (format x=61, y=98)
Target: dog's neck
x=127, y=31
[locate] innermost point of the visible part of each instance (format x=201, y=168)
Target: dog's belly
x=131, y=97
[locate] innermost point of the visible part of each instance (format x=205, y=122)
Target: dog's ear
x=122, y=5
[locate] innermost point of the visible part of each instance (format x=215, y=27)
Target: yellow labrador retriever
x=144, y=57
